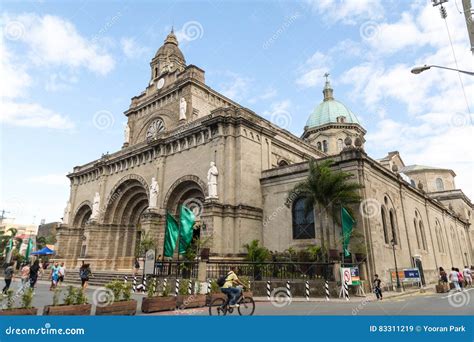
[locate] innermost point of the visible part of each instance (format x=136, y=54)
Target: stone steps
x=99, y=278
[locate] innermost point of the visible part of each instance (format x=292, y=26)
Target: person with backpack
x=85, y=273
x=378, y=287
x=230, y=286
x=8, y=273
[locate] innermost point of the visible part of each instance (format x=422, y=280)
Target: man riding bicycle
x=230, y=289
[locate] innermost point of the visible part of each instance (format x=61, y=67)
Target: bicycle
x=220, y=306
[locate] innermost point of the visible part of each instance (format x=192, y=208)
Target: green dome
x=328, y=112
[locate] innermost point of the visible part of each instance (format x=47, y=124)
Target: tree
x=255, y=252
x=330, y=191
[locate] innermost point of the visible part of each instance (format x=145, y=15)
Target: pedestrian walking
x=8, y=275
x=378, y=287
x=467, y=276
x=35, y=271
x=62, y=273
x=54, y=276
x=454, y=278
x=136, y=266
x=443, y=277
x=25, y=274
x=85, y=273
x=460, y=278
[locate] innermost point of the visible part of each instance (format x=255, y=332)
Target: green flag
x=187, y=220
x=29, y=248
x=347, y=224
x=171, y=235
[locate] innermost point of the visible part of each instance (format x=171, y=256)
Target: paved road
x=428, y=303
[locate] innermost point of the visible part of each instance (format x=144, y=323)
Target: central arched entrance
x=125, y=206
x=187, y=191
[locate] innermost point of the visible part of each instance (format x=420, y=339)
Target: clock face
x=155, y=128
x=161, y=83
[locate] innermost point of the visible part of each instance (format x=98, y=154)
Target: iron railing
x=176, y=269
x=271, y=270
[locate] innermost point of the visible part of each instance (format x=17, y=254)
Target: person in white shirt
x=467, y=276
x=62, y=273
x=453, y=277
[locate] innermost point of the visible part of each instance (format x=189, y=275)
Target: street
x=428, y=303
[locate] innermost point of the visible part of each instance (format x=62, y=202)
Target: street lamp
x=399, y=287
x=420, y=69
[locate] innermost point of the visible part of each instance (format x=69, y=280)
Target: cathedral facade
x=187, y=144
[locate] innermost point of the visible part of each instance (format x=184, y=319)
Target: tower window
x=156, y=72
x=340, y=145
x=325, y=145
x=439, y=184
x=318, y=145
x=341, y=119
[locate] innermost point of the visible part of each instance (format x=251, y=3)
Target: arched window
x=318, y=145
x=439, y=184
x=340, y=145
x=392, y=227
x=384, y=226
x=283, y=162
x=303, y=225
x=325, y=145
x=439, y=237
x=454, y=240
x=416, y=234
x=423, y=236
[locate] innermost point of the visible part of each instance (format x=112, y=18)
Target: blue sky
x=69, y=69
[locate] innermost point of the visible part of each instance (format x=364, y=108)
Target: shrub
x=56, y=296
x=183, y=287
x=27, y=298
x=80, y=298
x=10, y=299
x=214, y=287
x=114, y=290
x=126, y=291
x=70, y=297
x=165, y=291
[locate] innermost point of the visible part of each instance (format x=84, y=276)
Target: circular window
x=155, y=128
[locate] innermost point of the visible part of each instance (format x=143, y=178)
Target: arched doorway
x=125, y=206
x=189, y=192
x=82, y=215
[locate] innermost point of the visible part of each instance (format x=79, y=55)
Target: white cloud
x=132, y=49
x=32, y=115
x=234, y=86
x=53, y=41
x=347, y=11
x=50, y=179
x=267, y=94
x=313, y=70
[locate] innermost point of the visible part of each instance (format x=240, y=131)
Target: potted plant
x=246, y=281
x=117, y=300
x=215, y=292
x=154, y=303
x=75, y=304
x=26, y=307
x=186, y=300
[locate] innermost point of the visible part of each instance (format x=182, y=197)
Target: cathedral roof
x=170, y=47
x=329, y=110
x=416, y=167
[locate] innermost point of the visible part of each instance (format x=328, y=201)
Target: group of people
x=459, y=279
x=28, y=275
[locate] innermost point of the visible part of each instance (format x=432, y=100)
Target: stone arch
x=82, y=214
x=165, y=115
x=127, y=200
x=185, y=188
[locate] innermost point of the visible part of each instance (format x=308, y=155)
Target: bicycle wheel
x=217, y=307
x=246, y=306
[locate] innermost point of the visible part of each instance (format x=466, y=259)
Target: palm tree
x=329, y=190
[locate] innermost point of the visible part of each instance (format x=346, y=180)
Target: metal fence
x=272, y=270
x=176, y=269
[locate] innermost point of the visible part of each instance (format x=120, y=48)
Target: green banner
x=187, y=220
x=347, y=224
x=171, y=235
x=29, y=248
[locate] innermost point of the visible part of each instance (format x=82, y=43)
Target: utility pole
x=3, y=215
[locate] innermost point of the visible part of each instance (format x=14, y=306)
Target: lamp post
x=420, y=69
x=399, y=287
